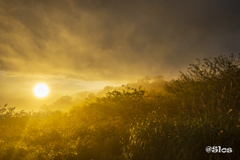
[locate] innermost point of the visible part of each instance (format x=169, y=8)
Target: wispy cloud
x=112, y=40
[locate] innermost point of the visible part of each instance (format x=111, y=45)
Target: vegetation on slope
x=199, y=109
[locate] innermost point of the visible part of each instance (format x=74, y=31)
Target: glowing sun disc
x=41, y=90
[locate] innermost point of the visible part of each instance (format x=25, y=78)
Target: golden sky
x=84, y=45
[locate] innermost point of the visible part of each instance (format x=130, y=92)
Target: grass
x=135, y=124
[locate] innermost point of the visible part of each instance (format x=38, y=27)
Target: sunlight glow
x=41, y=90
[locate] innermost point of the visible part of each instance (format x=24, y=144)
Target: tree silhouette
x=211, y=83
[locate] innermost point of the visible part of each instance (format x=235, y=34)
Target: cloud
x=114, y=40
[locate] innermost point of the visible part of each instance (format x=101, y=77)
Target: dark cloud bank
x=114, y=40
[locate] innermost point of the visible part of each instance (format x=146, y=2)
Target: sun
x=41, y=90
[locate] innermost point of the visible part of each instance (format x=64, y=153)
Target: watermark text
x=218, y=149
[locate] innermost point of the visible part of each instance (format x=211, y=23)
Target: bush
x=209, y=86
x=199, y=109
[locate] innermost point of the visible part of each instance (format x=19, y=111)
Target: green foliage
x=199, y=109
